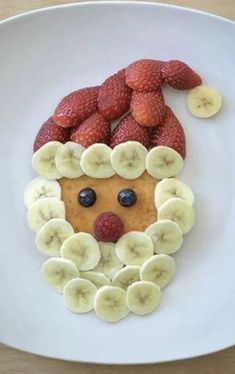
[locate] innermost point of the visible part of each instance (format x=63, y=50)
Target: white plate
x=44, y=55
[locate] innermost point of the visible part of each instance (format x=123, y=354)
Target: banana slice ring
x=143, y=297
x=79, y=295
x=68, y=160
x=110, y=304
x=43, y=161
x=40, y=188
x=57, y=272
x=98, y=279
x=126, y=276
x=51, y=236
x=204, y=101
x=96, y=161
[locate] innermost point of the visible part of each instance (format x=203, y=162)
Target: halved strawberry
x=93, y=130
x=144, y=75
x=170, y=134
x=74, y=108
x=148, y=108
x=114, y=97
x=179, y=75
x=129, y=129
x=50, y=131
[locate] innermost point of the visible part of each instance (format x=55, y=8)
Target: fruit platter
x=117, y=183
x=107, y=206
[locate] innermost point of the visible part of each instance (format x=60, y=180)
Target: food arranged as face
x=106, y=206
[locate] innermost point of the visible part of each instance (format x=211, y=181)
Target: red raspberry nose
x=108, y=227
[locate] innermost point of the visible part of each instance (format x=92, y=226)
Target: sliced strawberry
x=93, y=130
x=129, y=129
x=144, y=75
x=148, y=108
x=114, y=97
x=76, y=107
x=50, y=131
x=179, y=75
x=170, y=134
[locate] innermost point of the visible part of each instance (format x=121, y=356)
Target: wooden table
x=16, y=362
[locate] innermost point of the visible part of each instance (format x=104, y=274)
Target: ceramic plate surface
x=46, y=54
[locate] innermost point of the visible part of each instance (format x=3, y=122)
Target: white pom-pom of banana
x=67, y=160
x=134, y=247
x=163, y=162
x=44, y=210
x=95, y=161
x=166, y=235
x=158, y=269
x=40, y=188
x=126, y=276
x=109, y=263
x=179, y=211
x=59, y=271
x=43, y=161
x=171, y=187
x=98, y=279
x=204, y=101
x=51, y=236
x=128, y=159
x=143, y=297
x=82, y=249
x=79, y=295
x=110, y=304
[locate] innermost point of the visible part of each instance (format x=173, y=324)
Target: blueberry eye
x=87, y=197
x=127, y=197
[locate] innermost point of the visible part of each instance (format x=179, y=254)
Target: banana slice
x=95, y=161
x=43, y=161
x=134, y=248
x=67, y=160
x=39, y=188
x=204, y=101
x=79, y=295
x=179, y=211
x=44, y=210
x=82, y=249
x=58, y=271
x=98, y=279
x=166, y=236
x=158, y=269
x=128, y=159
x=143, y=297
x=126, y=276
x=163, y=162
x=51, y=236
x=110, y=304
x=171, y=187
x=109, y=263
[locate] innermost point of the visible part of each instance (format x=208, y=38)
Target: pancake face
x=137, y=217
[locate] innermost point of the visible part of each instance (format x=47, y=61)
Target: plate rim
x=26, y=14
x=116, y=363
x=116, y=3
